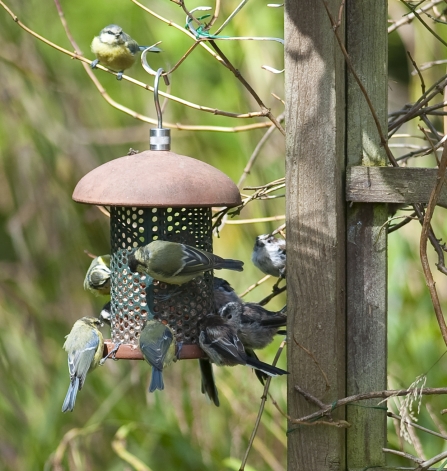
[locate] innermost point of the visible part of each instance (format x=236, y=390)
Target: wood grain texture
x=367, y=42
x=392, y=185
x=315, y=116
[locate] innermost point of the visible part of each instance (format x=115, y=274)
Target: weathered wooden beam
x=366, y=343
x=316, y=277
x=392, y=185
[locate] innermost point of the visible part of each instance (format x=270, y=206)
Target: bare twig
x=423, y=244
x=255, y=153
x=383, y=139
x=275, y=293
x=426, y=464
x=403, y=454
x=261, y=407
x=252, y=287
x=418, y=72
x=265, y=111
x=364, y=396
x=415, y=425
x=407, y=19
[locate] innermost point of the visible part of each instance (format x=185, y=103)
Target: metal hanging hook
x=158, y=74
x=159, y=137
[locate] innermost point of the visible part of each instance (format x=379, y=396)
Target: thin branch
x=407, y=19
x=383, y=139
x=266, y=111
x=261, y=408
x=256, y=220
x=418, y=72
x=275, y=293
x=426, y=464
x=423, y=244
x=256, y=151
x=179, y=28
x=134, y=114
x=364, y=396
x=403, y=454
x=414, y=425
x=252, y=287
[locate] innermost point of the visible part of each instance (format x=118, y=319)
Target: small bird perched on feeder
x=85, y=346
x=97, y=278
x=223, y=293
x=269, y=255
x=116, y=49
x=256, y=327
x=218, y=339
x=157, y=344
x=176, y=263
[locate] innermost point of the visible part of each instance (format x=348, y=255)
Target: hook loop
x=159, y=137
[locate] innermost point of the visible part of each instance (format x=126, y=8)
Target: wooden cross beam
x=392, y=185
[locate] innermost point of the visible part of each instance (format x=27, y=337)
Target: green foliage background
x=54, y=128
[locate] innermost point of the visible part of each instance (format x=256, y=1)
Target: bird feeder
x=157, y=194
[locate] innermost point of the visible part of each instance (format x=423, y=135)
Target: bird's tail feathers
x=259, y=374
x=208, y=383
x=274, y=321
x=70, y=398
x=230, y=264
x=265, y=368
x=156, y=380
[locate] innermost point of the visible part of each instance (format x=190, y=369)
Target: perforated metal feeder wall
x=157, y=195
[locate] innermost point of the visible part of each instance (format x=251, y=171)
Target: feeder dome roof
x=157, y=179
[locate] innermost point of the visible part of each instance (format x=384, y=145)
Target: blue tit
x=208, y=383
x=116, y=50
x=256, y=326
x=97, y=278
x=85, y=347
x=218, y=339
x=176, y=263
x=157, y=344
x=269, y=255
x=223, y=293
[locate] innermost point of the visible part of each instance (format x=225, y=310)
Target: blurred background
x=54, y=128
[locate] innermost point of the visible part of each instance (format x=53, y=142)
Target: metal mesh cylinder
x=131, y=299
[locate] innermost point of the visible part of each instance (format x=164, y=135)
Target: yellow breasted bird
x=176, y=263
x=85, y=346
x=97, y=278
x=116, y=50
x=157, y=344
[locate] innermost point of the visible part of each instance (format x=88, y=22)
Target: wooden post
x=316, y=277
x=367, y=45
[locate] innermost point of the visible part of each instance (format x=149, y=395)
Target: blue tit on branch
x=208, y=383
x=256, y=326
x=157, y=344
x=269, y=255
x=224, y=293
x=176, y=263
x=85, y=347
x=116, y=50
x=218, y=339
x=97, y=278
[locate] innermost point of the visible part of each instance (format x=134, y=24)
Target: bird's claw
x=119, y=75
x=178, y=349
x=94, y=64
x=111, y=354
